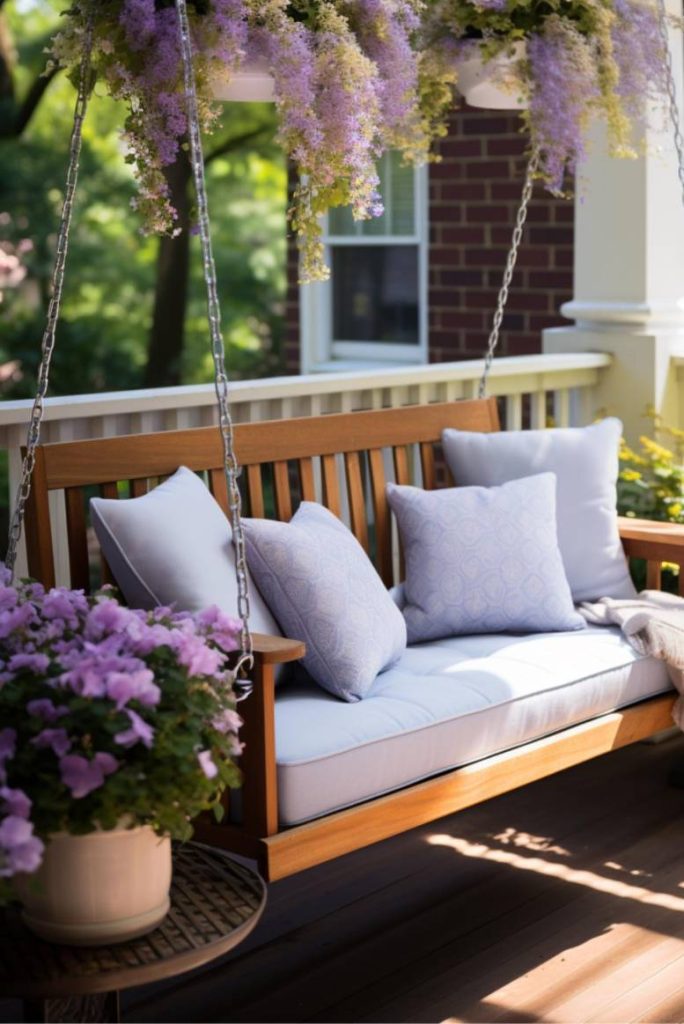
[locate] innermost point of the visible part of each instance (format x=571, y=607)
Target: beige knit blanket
x=653, y=623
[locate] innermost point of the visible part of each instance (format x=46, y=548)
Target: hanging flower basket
x=563, y=66
x=99, y=888
x=494, y=84
x=252, y=83
x=351, y=81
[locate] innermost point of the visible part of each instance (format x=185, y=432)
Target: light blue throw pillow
x=585, y=462
x=483, y=560
x=323, y=589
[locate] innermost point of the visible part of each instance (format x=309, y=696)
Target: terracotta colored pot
x=493, y=84
x=252, y=83
x=99, y=888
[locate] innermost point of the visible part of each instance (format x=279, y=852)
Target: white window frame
x=318, y=350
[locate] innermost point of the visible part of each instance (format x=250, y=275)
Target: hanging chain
x=510, y=267
x=230, y=462
x=673, y=106
x=48, y=343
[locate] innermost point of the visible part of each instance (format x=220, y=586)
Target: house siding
x=474, y=195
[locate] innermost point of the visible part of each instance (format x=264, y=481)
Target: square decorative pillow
x=174, y=546
x=585, y=461
x=323, y=589
x=482, y=560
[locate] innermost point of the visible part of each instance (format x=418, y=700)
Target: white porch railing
x=561, y=383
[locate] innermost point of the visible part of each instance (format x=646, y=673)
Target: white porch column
x=629, y=275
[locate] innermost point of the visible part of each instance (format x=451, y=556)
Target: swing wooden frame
x=356, y=440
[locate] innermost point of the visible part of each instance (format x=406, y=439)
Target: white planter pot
x=99, y=888
x=252, y=83
x=493, y=84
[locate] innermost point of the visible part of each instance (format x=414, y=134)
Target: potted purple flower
x=118, y=728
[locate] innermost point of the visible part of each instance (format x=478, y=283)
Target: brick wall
x=474, y=195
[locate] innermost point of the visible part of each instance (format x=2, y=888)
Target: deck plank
x=555, y=897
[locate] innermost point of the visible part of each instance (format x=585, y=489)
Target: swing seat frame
x=295, y=451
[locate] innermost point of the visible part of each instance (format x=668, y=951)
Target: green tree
x=133, y=310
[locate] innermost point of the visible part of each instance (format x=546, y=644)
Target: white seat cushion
x=448, y=703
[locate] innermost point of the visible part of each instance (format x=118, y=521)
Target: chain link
x=230, y=462
x=508, y=272
x=48, y=342
x=673, y=107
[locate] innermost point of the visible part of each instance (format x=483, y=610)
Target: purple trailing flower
x=36, y=663
x=640, y=57
x=384, y=28
x=206, y=764
x=227, y=721
x=82, y=775
x=196, y=655
x=15, y=802
x=564, y=87
x=44, y=708
x=139, y=731
x=17, y=618
x=220, y=628
x=68, y=605
x=107, y=616
x=124, y=686
x=20, y=850
x=8, y=598
x=56, y=739
x=139, y=22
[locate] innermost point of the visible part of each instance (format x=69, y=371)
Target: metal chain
x=230, y=462
x=508, y=272
x=48, y=342
x=673, y=107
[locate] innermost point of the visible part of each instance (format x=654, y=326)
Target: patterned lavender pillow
x=483, y=560
x=322, y=588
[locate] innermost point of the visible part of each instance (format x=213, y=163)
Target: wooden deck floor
x=560, y=902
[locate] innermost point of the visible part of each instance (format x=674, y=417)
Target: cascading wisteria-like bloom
x=385, y=29
x=350, y=82
x=564, y=85
x=584, y=59
x=94, y=697
x=641, y=60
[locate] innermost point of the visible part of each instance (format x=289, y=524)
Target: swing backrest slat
x=343, y=460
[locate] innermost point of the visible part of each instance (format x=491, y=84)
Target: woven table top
x=215, y=903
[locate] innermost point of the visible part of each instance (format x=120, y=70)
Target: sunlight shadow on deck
x=563, y=872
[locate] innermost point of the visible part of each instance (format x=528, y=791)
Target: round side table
x=215, y=903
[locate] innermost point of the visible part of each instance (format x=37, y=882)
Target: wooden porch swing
x=293, y=453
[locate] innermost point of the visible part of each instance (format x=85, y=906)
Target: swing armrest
x=276, y=650
x=260, y=785
x=655, y=541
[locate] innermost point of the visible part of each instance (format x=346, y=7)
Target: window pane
x=397, y=191
x=375, y=293
x=402, y=211
x=341, y=222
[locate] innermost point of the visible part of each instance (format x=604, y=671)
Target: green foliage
x=651, y=486
x=520, y=18
x=108, y=299
x=651, y=480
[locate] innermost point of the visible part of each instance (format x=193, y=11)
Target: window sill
x=344, y=365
